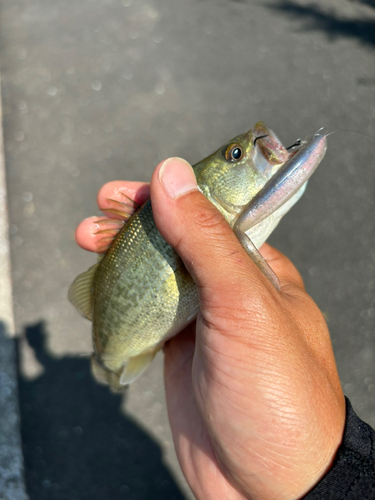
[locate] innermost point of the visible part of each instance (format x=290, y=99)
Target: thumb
x=199, y=233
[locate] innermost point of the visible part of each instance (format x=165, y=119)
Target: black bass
x=139, y=294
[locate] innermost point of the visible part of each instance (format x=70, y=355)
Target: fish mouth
x=269, y=153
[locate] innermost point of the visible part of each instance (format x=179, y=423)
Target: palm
x=193, y=444
x=236, y=404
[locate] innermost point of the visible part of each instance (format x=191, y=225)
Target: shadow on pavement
x=330, y=23
x=77, y=445
x=11, y=461
x=368, y=2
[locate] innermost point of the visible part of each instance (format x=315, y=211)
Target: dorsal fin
x=107, y=230
x=80, y=292
x=120, y=209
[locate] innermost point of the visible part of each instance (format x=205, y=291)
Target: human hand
x=254, y=399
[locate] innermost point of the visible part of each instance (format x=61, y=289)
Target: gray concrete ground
x=99, y=90
x=11, y=460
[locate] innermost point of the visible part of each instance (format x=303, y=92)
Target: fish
x=139, y=293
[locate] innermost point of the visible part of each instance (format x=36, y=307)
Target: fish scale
x=155, y=271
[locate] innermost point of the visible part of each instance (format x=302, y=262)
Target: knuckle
x=211, y=221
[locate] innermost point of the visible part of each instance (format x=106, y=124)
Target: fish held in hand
x=140, y=294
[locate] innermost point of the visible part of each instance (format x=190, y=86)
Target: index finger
x=96, y=233
x=122, y=192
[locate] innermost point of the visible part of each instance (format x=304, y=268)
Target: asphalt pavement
x=99, y=90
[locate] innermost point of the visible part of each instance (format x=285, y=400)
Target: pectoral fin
x=80, y=292
x=136, y=366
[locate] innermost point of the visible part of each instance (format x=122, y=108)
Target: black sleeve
x=352, y=476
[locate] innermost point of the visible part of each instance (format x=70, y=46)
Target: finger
x=119, y=199
x=202, y=237
x=96, y=233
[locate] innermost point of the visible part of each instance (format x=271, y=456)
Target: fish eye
x=233, y=152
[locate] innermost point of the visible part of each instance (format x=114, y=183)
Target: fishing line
x=301, y=142
x=348, y=130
